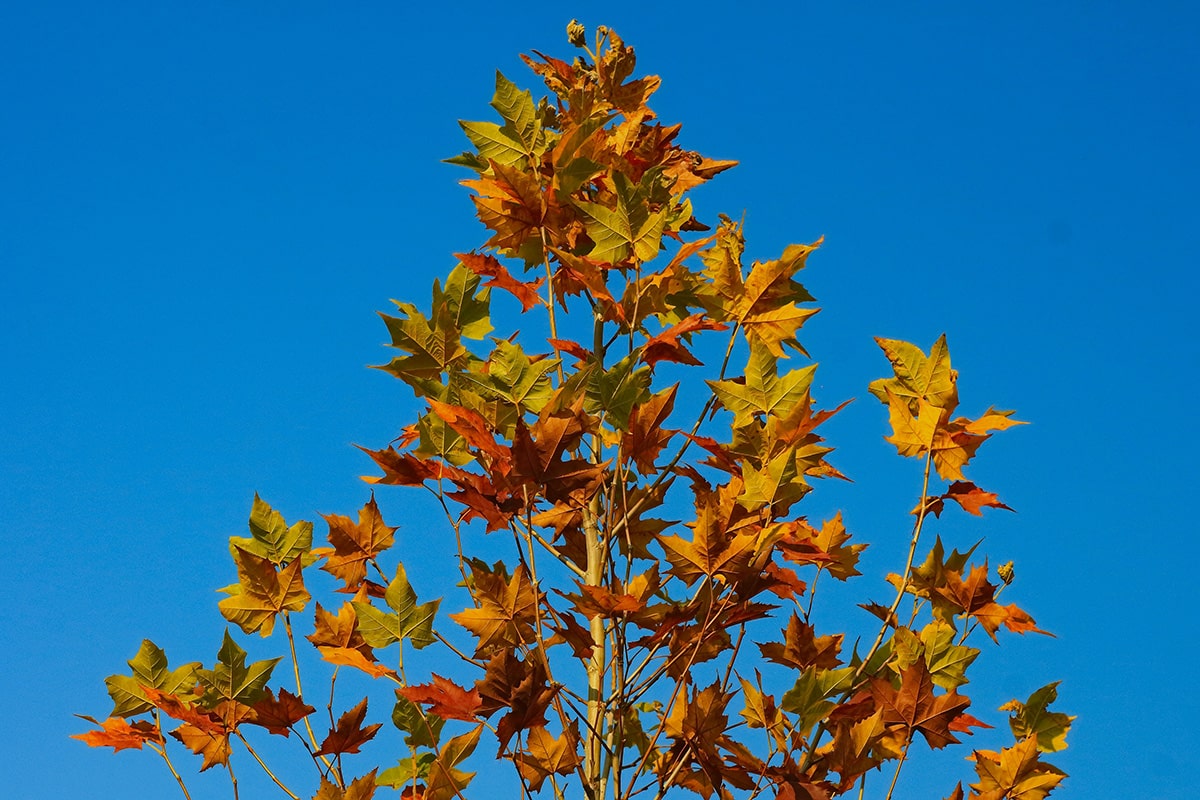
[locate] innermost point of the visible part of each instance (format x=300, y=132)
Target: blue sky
x=204, y=205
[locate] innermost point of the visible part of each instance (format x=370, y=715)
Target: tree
x=614, y=652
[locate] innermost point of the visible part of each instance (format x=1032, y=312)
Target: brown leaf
x=359, y=789
x=545, y=754
x=647, y=434
x=667, y=346
x=349, y=734
x=278, y=715
x=914, y=707
x=355, y=545
x=506, y=612
x=801, y=649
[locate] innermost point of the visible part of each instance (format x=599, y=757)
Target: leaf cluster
x=642, y=467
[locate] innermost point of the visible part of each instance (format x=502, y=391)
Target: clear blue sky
x=202, y=205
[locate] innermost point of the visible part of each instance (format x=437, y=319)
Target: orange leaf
x=489, y=266
x=355, y=545
x=213, y=746
x=346, y=657
x=118, y=734
x=972, y=498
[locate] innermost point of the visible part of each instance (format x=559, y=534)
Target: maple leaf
x=809, y=697
x=278, y=715
x=408, y=620
x=801, y=543
x=149, y=668
x=918, y=376
x=511, y=204
x=404, y=469
x=761, y=711
x=231, y=680
x=359, y=789
x=355, y=545
x=444, y=698
x=349, y=734
x=972, y=498
x=1033, y=720
x=1015, y=772
x=912, y=436
x=506, y=611
x=489, y=267
x=120, y=735
x=628, y=225
x=445, y=779
x=763, y=391
x=947, y=661
x=850, y=754
x=210, y=721
x=271, y=537
x=666, y=346
x=347, y=657
x=214, y=747
x=801, y=649
x=914, y=707
x=337, y=630
x=545, y=754
x=647, y=434
x=262, y=593
x=719, y=549
x=514, y=377
x=614, y=392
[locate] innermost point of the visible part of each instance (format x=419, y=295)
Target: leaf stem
x=162, y=751
x=266, y=769
x=287, y=626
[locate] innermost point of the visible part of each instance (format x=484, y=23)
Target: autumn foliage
x=640, y=450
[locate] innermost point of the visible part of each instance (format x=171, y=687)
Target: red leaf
x=445, y=698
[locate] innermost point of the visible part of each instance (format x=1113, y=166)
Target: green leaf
x=521, y=118
x=231, y=679
x=918, y=376
x=778, y=482
x=272, y=537
x=614, y=392
x=630, y=224
x=408, y=620
x=763, y=392
x=493, y=142
x=413, y=768
x=947, y=661
x=431, y=350
x=809, y=697
x=149, y=668
x=422, y=728
x=462, y=306
x=1033, y=718
x=514, y=377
